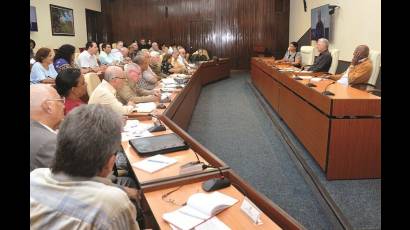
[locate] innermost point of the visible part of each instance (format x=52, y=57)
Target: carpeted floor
x=229, y=120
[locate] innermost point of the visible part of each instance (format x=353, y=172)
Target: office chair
x=92, y=81
x=335, y=60
x=308, y=55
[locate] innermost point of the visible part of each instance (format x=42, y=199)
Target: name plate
x=252, y=211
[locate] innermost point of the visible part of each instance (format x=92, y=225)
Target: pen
x=158, y=161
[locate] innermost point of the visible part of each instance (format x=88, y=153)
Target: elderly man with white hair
x=130, y=91
x=324, y=60
x=155, y=64
x=155, y=47
x=46, y=113
x=105, y=93
x=116, y=52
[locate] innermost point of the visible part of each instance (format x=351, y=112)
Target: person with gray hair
x=105, y=93
x=130, y=91
x=46, y=113
x=75, y=192
x=324, y=60
x=149, y=79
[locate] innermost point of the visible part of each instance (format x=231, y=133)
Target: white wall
x=44, y=38
x=354, y=23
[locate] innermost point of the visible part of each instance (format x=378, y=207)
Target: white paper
x=210, y=204
x=316, y=79
x=212, y=224
x=169, y=81
x=306, y=77
x=135, y=129
x=145, y=107
x=154, y=163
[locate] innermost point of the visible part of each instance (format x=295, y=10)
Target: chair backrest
x=113, y=45
x=76, y=58
x=308, y=56
x=92, y=81
x=335, y=60
x=374, y=56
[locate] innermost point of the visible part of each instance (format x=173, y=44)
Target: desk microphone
x=326, y=92
x=215, y=183
x=310, y=84
x=158, y=126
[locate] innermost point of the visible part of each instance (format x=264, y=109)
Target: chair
x=307, y=54
x=368, y=88
x=335, y=60
x=92, y=81
x=113, y=45
x=374, y=56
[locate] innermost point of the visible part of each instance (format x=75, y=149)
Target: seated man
x=125, y=59
x=105, y=55
x=105, y=92
x=116, y=53
x=155, y=64
x=46, y=113
x=129, y=91
x=88, y=59
x=360, y=69
x=324, y=60
x=182, y=58
x=149, y=80
x=155, y=47
x=75, y=192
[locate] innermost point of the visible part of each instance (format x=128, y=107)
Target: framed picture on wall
x=62, y=21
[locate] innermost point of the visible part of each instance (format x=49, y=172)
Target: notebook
x=154, y=163
x=200, y=207
x=161, y=144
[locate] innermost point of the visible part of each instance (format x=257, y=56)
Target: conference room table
x=176, y=118
x=342, y=132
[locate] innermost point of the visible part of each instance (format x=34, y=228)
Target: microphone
x=158, y=126
x=310, y=84
x=326, y=92
x=215, y=183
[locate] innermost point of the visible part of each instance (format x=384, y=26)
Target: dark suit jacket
x=42, y=146
x=322, y=62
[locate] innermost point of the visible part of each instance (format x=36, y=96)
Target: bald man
x=105, y=93
x=360, y=69
x=46, y=113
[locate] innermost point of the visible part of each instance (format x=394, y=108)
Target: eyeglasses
x=121, y=78
x=58, y=99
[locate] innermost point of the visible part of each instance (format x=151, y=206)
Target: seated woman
x=199, y=55
x=292, y=56
x=43, y=70
x=166, y=66
x=71, y=85
x=65, y=58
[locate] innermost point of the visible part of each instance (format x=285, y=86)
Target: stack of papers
x=134, y=129
x=316, y=79
x=168, y=80
x=154, y=163
x=145, y=107
x=306, y=77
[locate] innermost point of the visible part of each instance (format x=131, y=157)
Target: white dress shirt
x=104, y=94
x=85, y=60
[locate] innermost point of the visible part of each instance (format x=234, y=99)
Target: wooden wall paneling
x=226, y=28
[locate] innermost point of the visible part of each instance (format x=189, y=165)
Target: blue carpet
x=230, y=121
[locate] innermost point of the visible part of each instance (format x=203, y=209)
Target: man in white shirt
x=182, y=56
x=105, y=93
x=46, y=113
x=88, y=60
x=105, y=54
x=116, y=53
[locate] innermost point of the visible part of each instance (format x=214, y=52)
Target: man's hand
x=131, y=103
x=133, y=194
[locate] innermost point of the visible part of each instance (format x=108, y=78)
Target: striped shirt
x=58, y=201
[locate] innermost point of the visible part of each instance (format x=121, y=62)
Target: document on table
x=168, y=81
x=154, y=163
x=135, y=129
x=145, y=107
x=316, y=79
x=306, y=77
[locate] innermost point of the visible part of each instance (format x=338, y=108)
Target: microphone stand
x=158, y=126
x=215, y=183
x=326, y=92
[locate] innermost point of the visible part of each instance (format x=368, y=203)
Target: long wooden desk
x=341, y=132
x=176, y=118
x=272, y=216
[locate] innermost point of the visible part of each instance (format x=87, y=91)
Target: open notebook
x=199, y=208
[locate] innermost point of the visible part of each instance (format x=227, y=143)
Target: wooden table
x=272, y=216
x=341, y=132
